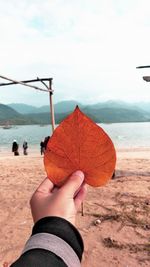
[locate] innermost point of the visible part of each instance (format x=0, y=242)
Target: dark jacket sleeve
x=40, y=257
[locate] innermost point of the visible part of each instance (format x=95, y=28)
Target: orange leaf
x=80, y=144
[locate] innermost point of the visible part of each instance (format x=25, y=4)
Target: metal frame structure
x=48, y=90
x=145, y=78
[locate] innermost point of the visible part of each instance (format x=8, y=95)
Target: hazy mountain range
x=69, y=105
x=104, y=112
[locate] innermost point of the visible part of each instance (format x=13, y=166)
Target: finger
x=73, y=184
x=80, y=196
x=46, y=186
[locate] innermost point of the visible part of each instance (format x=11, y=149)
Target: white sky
x=90, y=47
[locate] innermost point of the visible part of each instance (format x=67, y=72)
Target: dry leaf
x=78, y=143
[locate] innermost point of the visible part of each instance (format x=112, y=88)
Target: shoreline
x=133, y=152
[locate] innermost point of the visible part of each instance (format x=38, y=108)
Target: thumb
x=72, y=186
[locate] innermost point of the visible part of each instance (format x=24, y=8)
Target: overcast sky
x=90, y=47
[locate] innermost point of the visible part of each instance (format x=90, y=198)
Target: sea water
x=123, y=135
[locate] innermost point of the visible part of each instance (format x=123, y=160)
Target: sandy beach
x=120, y=237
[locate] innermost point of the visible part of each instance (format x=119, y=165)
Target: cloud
x=91, y=48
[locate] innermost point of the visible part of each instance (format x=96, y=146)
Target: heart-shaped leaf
x=78, y=143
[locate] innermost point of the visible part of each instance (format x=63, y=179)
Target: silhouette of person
x=46, y=141
x=25, y=147
x=15, y=148
x=42, y=147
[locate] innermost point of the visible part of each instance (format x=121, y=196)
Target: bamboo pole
x=28, y=81
x=51, y=106
x=23, y=83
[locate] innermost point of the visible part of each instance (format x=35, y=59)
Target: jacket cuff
x=63, y=229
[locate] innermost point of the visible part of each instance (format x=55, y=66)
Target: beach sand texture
x=120, y=238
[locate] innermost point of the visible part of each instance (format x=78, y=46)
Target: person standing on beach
x=15, y=148
x=25, y=147
x=46, y=141
x=42, y=147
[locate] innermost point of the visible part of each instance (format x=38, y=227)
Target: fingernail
x=79, y=173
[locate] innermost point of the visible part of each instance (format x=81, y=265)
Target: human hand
x=63, y=202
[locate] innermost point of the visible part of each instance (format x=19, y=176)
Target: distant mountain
x=113, y=104
x=67, y=106
x=23, y=108
x=143, y=105
x=106, y=112
x=61, y=107
x=9, y=116
x=110, y=115
x=7, y=112
x=44, y=118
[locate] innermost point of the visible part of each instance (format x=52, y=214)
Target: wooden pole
x=22, y=83
x=51, y=106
